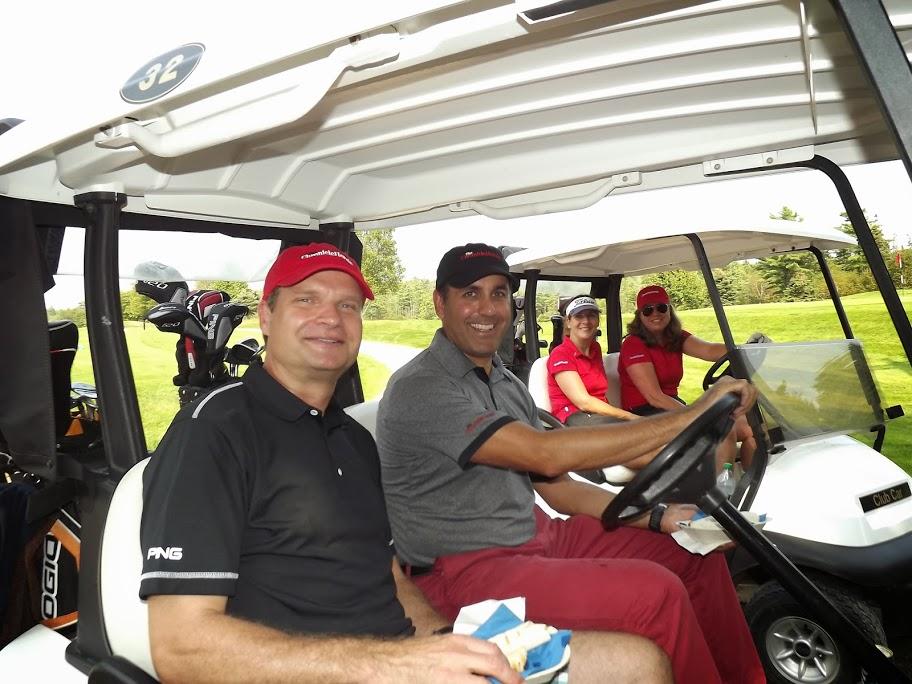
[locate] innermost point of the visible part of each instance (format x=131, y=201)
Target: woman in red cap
x=651, y=364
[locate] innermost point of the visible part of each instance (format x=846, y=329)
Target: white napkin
x=472, y=617
x=705, y=534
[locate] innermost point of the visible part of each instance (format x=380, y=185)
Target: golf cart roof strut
x=529, y=317
x=834, y=292
x=884, y=59
x=122, y=429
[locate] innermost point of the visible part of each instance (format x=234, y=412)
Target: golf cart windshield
x=169, y=256
x=811, y=389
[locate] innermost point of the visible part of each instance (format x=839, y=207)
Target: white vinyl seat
x=613, y=395
x=366, y=414
x=538, y=388
x=126, y=616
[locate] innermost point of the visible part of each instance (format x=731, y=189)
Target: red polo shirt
x=566, y=357
x=669, y=369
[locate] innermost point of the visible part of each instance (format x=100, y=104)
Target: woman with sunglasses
x=577, y=383
x=651, y=364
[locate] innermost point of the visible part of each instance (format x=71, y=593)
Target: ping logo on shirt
x=169, y=553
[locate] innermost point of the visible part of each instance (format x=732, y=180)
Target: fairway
x=152, y=355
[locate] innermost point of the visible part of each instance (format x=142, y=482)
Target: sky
x=91, y=37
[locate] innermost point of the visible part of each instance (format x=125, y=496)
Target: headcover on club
x=200, y=302
x=157, y=271
x=168, y=317
x=161, y=291
x=220, y=323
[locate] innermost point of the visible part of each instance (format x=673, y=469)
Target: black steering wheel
x=712, y=375
x=682, y=472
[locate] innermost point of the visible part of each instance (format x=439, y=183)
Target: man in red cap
x=265, y=538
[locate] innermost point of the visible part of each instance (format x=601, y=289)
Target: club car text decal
x=160, y=76
x=885, y=497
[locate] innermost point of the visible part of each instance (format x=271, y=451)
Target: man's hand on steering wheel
x=728, y=385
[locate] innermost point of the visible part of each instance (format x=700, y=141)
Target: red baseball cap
x=652, y=294
x=297, y=263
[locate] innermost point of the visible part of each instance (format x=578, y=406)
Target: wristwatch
x=655, y=518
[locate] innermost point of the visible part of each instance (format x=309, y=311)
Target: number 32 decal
x=160, y=76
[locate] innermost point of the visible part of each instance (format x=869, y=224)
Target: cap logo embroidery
x=327, y=252
x=475, y=255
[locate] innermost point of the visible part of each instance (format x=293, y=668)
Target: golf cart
x=836, y=508
x=379, y=115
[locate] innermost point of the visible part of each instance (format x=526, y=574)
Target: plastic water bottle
x=726, y=481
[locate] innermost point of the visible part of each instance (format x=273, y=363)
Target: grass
x=408, y=333
x=153, y=363
x=805, y=321
x=152, y=355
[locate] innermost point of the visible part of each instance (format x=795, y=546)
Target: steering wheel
x=681, y=472
x=711, y=377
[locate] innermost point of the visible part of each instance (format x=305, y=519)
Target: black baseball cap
x=463, y=265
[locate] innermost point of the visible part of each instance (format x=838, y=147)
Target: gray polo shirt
x=435, y=414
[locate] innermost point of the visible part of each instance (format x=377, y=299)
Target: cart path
x=393, y=356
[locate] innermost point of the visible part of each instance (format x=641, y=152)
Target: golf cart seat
x=538, y=388
x=366, y=414
x=125, y=615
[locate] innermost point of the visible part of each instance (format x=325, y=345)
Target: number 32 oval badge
x=160, y=76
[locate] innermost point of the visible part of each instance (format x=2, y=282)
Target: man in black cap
x=458, y=437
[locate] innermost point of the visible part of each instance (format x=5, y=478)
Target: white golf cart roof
x=402, y=112
x=648, y=249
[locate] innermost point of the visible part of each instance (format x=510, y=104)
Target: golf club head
x=200, y=302
x=169, y=317
x=243, y=352
x=161, y=292
x=221, y=321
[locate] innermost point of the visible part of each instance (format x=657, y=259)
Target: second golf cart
x=839, y=509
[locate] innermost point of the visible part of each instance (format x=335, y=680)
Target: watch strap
x=655, y=518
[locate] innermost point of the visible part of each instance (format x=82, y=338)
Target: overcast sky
x=50, y=49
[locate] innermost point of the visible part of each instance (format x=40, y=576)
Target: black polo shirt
x=256, y=496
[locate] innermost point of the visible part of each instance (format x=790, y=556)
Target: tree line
x=787, y=278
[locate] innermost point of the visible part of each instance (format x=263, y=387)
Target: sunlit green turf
x=152, y=355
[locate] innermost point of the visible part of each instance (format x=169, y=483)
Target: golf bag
x=204, y=321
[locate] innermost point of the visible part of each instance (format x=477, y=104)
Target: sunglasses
x=649, y=308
